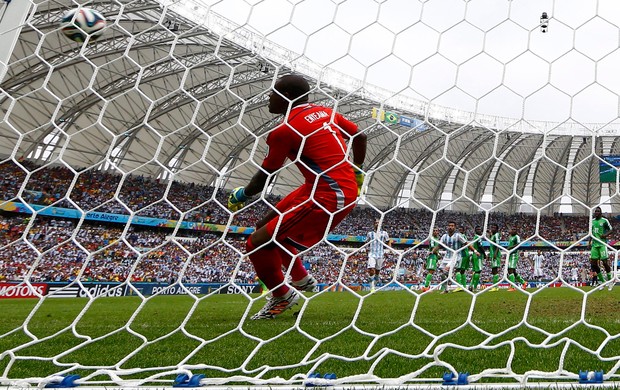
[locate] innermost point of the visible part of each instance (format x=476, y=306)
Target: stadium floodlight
x=544, y=22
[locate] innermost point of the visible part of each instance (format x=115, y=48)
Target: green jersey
x=431, y=260
x=465, y=248
x=599, y=227
x=494, y=250
x=432, y=244
x=478, y=255
x=513, y=241
x=477, y=244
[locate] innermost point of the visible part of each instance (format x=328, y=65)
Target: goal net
x=121, y=265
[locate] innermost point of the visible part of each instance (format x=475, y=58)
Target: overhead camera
x=544, y=22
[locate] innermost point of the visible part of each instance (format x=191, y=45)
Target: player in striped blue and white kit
x=377, y=239
x=453, y=242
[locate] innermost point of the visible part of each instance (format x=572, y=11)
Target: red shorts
x=302, y=222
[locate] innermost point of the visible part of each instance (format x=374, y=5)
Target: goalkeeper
x=316, y=139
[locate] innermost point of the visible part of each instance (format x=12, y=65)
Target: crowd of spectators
x=96, y=190
x=55, y=249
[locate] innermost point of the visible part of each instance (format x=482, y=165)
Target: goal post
x=122, y=266
x=12, y=18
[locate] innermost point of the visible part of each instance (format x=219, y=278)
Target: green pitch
x=214, y=334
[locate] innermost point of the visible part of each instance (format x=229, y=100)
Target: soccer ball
x=80, y=23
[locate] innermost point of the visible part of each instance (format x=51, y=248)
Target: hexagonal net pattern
x=482, y=134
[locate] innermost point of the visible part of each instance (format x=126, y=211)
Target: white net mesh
x=118, y=155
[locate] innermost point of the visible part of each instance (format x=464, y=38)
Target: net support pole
x=13, y=14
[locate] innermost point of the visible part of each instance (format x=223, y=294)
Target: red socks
x=268, y=262
x=298, y=271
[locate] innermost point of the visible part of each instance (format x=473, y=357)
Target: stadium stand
x=160, y=259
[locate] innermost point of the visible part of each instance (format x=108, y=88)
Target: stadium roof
x=164, y=96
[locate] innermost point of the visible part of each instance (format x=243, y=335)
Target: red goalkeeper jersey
x=312, y=137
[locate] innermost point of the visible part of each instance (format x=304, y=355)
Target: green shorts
x=472, y=261
x=431, y=262
x=476, y=263
x=496, y=262
x=598, y=253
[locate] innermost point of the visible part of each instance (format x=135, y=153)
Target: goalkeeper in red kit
x=318, y=140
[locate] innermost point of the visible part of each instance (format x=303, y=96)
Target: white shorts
x=538, y=271
x=375, y=262
x=444, y=264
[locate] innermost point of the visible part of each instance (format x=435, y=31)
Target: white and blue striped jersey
x=454, y=242
x=376, y=239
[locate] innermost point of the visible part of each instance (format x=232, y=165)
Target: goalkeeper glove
x=237, y=199
x=359, y=178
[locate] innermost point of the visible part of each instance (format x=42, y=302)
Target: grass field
x=392, y=333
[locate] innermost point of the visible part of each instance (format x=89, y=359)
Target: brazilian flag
x=391, y=117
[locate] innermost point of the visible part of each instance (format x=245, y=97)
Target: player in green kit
x=601, y=229
x=455, y=244
x=476, y=259
x=495, y=254
x=431, y=260
x=466, y=256
x=513, y=259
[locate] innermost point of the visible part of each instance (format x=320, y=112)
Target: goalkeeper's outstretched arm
x=359, y=155
x=238, y=196
x=359, y=149
x=257, y=183
x=255, y=186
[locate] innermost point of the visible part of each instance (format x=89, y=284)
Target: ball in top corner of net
x=80, y=24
